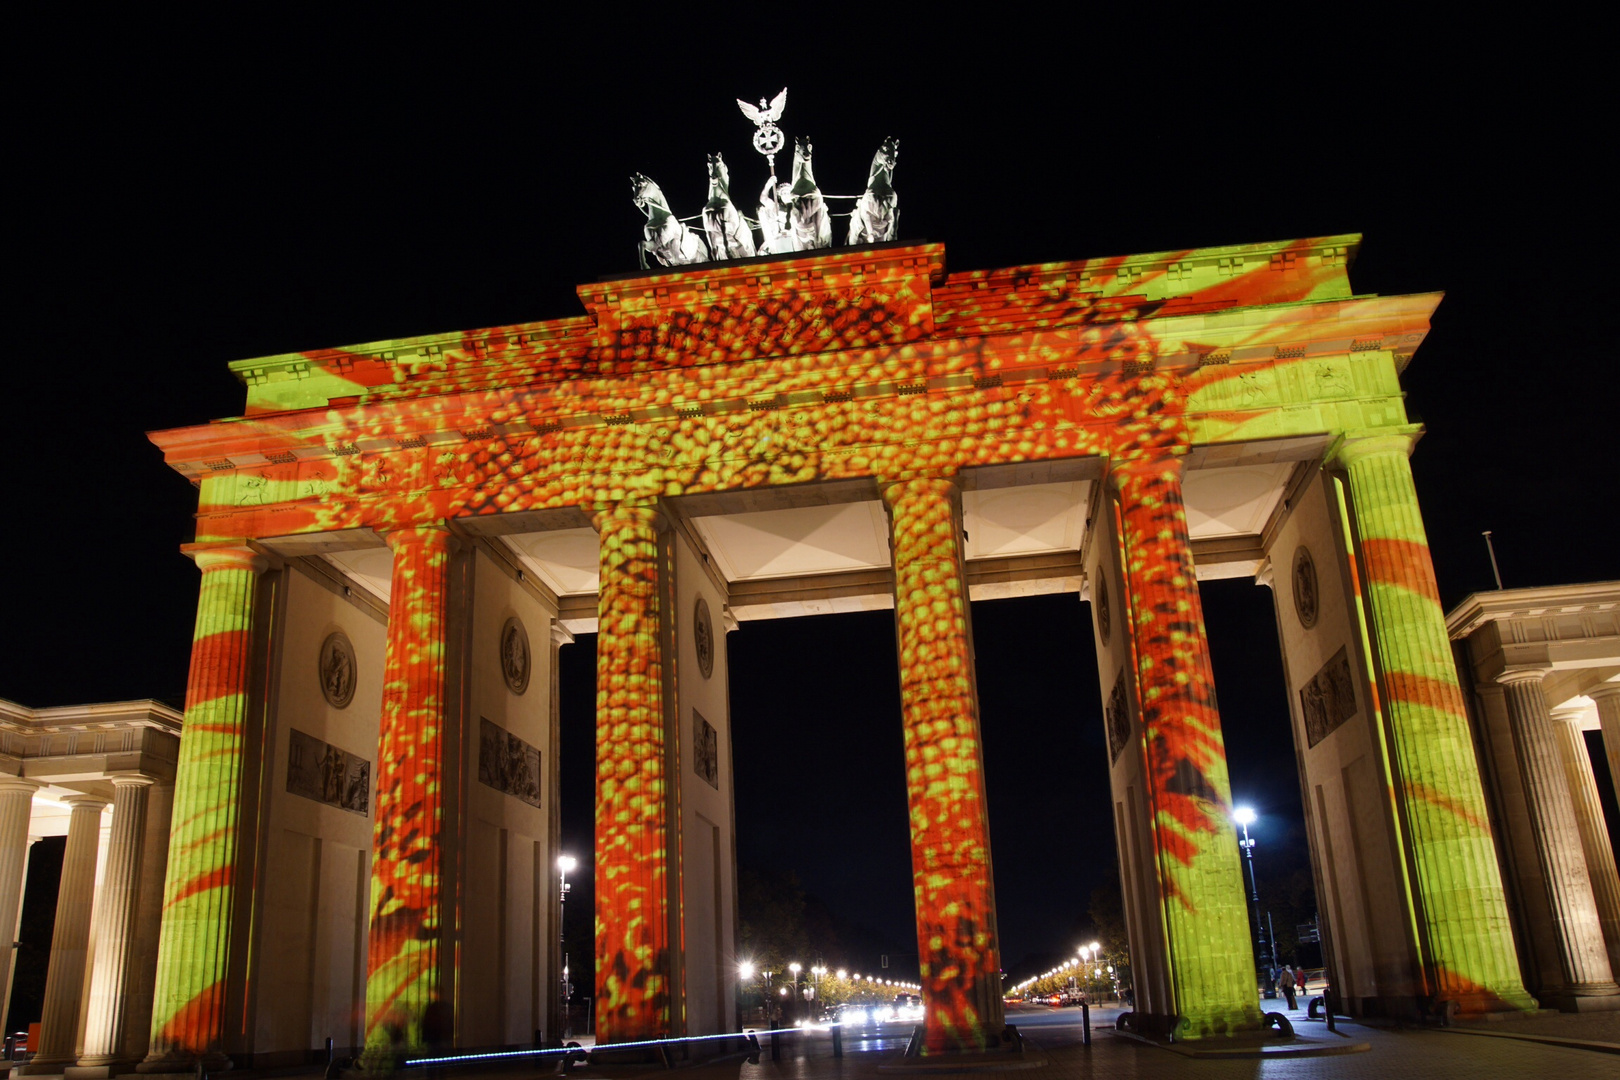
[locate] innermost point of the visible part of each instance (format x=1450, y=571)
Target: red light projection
x=407, y=901
x=867, y=364
x=632, y=845
x=957, y=952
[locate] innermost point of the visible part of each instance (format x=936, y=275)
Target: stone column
x=1464, y=930
x=1556, y=823
x=634, y=968
x=70, y=939
x=199, y=889
x=1583, y=956
x=1607, y=697
x=958, y=949
x=112, y=980
x=16, y=808
x=407, y=871
x=1189, y=793
x=1594, y=831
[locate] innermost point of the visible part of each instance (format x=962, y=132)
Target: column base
x=184, y=1065
x=48, y=1067
x=1581, y=1001
x=94, y=1069
x=1008, y=1053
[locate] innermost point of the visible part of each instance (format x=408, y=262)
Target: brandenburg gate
x=395, y=539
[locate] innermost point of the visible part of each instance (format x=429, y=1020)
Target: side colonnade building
x=396, y=538
x=103, y=777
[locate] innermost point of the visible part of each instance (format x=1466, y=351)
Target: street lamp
x=745, y=973
x=565, y=863
x=1245, y=817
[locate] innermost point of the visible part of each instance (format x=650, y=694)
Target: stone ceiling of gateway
x=809, y=541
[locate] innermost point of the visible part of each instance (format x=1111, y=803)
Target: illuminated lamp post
x=565, y=863
x=1245, y=816
x=745, y=973
x=794, y=969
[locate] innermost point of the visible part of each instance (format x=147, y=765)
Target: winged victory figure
x=762, y=114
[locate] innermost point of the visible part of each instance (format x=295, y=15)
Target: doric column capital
x=893, y=491
x=560, y=634
x=1160, y=465
x=130, y=779
x=17, y=783
x=1569, y=714
x=634, y=515
x=1526, y=674
x=97, y=803
x=1350, y=448
x=435, y=534
x=225, y=557
x=1605, y=692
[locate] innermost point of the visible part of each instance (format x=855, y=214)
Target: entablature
x=851, y=298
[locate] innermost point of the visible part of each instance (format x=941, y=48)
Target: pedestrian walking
x=1285, y=983
x=1299, y=979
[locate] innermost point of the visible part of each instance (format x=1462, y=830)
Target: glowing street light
x=1245, y=816
x=565, y=863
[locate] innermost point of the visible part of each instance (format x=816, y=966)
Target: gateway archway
x=396, y=537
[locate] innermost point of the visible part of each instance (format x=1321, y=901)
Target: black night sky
x=236, y=185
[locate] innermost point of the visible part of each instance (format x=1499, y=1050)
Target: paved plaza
x=1055, y=1035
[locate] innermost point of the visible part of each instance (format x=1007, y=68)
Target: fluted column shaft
x=1582, y=956
x=70, y=938
x=634, y=995
x=407, y=894
x=1189, y=792
x=1465, y=934
x=1607, y=698
x=16, y=809
x=199, y=889
x=104, y=1032
x=958, y=948
x=1583, y=793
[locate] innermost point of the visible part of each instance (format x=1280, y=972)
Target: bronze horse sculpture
x=665, y=236
x=729, y=235
x=812, y=226
x=876, y=218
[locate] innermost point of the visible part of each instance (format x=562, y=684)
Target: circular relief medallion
x=337, y=670
x=1306, y=596
x=1104, y=616
x=515, y=656
x=703, y=637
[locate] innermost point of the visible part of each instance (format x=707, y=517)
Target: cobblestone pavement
x=1395, y=1054
x=1598, y=1027
x=1405, y=1054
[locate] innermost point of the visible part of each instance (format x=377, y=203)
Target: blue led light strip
x=497, y=1054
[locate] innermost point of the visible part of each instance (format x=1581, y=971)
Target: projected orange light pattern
x=871, y=365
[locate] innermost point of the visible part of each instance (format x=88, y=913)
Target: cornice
x=1505, y=604
x=1299, y=330
x=105, y=716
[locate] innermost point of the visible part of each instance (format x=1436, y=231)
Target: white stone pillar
x=1607, y=697
x=1583, y=956
x=1594, y=831
x=70, y=940
x=105, y=1028
x=16, y=807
